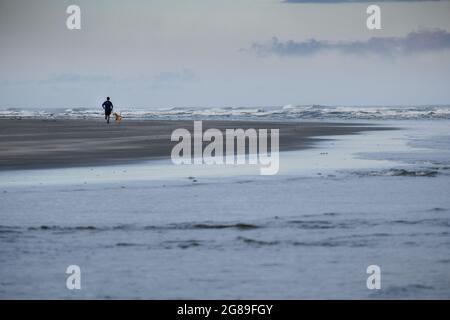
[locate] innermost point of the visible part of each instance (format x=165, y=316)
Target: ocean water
x=288, y=112
x=153, y=230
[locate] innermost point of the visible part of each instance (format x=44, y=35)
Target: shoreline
x=45, y=144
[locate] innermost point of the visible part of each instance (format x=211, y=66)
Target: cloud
x=161, y=79
x=76, y=77
x=355, y=1
x=170, y=79
x=415, y=42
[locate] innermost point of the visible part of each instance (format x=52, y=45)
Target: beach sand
x=37, y=143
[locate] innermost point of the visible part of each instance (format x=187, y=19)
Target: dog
x=118, y=117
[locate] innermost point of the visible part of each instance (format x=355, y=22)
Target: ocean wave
x=257, y=242
x=181, y=244
x=288, y=112
x=407, y=291
x=130, y=227
x=437, y=222
x=331, y=222
x=331, y=242
x=317, y=224
x=238, y=226
x=398, y=173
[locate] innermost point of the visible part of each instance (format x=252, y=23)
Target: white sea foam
x=288, y=112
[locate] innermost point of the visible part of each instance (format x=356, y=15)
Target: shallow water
x=150, y=231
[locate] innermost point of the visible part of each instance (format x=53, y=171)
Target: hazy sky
x=212, y=53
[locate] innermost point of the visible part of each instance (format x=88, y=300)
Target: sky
x=212, y=53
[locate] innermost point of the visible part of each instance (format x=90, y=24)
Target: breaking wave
x=288, y=112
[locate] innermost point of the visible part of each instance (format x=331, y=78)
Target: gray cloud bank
x=415, y=42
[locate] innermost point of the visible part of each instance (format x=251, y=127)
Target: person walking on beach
x=108, y=107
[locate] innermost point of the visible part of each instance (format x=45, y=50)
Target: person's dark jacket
x=108, y=106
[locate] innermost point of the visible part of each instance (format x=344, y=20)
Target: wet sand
x=36, y=143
